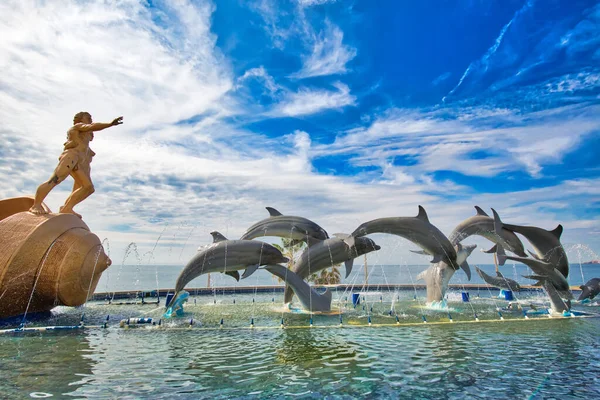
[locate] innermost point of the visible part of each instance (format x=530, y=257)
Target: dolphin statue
x=310, y=299
x=590, y=289
x=483, y=225
x=228, y=256
x=327, y=253
x=416, y=229
x=544, y=272
x=438, y=275
x=546, y=244
x=499, y=281
x=286, y=226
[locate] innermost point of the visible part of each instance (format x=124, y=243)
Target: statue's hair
x=79, y=116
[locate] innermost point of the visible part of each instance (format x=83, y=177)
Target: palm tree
x=327, y=276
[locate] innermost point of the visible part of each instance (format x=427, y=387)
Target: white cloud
x=310, y=101
x=329, y=55
x=310, y=3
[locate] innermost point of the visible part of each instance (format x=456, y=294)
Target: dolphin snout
x=377, y=247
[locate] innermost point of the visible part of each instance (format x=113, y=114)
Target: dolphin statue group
x=438, y=275
x=483, y=225
x=546, y=244
x=327, y=253
x=416, y=229
x=229, y=257
x=286, y=226
x=310, y=299
x=499, y=281
x=590, y=289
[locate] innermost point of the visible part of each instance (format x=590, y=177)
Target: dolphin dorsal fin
x=498, y=225
x=217, y=237
x=557, y=231
x=273, y=212
x=422, y=214
x=480, y=211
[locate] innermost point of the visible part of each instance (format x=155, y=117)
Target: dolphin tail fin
x=249, y=270
x=501, y=255
x=349, y=264
x=234, y=274
x=465, y=267
x=422, y=252
x=492, y=250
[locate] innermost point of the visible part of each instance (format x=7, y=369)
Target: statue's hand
x=117, y=121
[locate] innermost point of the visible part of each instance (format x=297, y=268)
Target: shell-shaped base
x=46, y=260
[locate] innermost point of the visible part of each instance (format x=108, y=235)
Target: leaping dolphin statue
x=590, y=289
x=229, y=257
x=499, y=281
x=416, y=229
x=309, y=298
x=546, y=244
x=544, y=272
x=327, y=253
x=286, y=226
x=483, y=225
x=438, y=275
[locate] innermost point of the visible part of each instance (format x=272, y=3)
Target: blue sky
x=339, y=111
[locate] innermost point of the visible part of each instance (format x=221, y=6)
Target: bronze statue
x=75, y=161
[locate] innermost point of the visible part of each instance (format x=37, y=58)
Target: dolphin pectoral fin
x=481, y=212
x=422, y=252
x=557, y=231
x=422, y=214
x=492, y=250
x=534, y=255
x=273, y=212
x=217, y=237
x=349, y=264
x=234, y=274
x=540, y=279
x=436, y=258
x=465, y=267
x=249, y=270
x=501, y=255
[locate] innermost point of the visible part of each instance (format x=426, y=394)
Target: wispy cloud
x=310, y=101
x=447, y=139
x=329, y=55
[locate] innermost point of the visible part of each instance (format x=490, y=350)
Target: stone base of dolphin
x=45, y=260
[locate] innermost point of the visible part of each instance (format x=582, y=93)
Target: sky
x=337, y=111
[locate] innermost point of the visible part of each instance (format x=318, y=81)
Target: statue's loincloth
x=75, y=159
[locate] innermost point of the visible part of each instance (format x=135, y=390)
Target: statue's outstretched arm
x=98, y=126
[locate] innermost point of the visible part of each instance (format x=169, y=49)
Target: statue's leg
x=60, y=174
x=83, y=187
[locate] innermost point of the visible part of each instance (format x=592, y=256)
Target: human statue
x=75, y=161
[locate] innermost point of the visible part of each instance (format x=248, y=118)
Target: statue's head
x=82, y=116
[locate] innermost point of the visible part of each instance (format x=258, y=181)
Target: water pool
x=536, y=358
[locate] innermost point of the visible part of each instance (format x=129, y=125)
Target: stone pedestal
x=45, y=260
